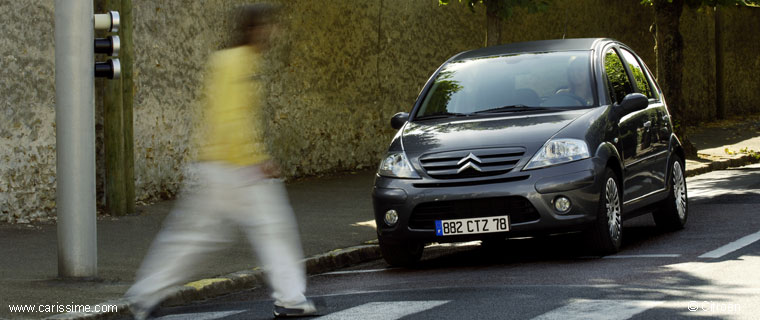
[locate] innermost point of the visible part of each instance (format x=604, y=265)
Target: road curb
x=722, y=164
x=236, y=281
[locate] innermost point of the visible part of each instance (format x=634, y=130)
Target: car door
x=657, y=125
x=635, y=130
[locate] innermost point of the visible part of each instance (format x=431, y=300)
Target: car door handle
x=648, y=124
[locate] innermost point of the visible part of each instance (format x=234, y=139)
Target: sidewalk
x=724, y=144
x=333, y=213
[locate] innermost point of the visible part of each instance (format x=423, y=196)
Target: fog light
x=562, y=204
x=391, y=217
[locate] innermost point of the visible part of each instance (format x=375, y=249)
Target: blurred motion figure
x=238, y=186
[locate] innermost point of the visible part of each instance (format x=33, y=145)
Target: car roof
x=532, y=46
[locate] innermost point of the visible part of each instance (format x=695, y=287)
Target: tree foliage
x=442, y=91
x=619, y=83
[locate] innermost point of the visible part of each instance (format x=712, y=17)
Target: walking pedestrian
x=237, y=189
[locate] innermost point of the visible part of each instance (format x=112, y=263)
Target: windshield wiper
x=445, y=114
x=513, y=108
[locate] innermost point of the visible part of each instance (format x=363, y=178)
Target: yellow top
x=233, y=126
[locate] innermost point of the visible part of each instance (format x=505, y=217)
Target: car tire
x=606, y=234
x=495, y=245
x=401, y=255
x=674, y=212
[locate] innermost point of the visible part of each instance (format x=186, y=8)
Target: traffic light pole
x=75, y=139
x=128, y=86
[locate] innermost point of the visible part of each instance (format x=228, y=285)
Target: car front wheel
x=673, y=213
x=401, y=255
x=606, y=235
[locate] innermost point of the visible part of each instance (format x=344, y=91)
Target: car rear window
x=546, y=79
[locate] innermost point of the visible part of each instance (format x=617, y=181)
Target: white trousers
x=204, y=221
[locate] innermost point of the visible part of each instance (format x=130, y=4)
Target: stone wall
x=27, y=110
x=345, y=68
x=741, y=60
x=336, y=74
x=698, y=30
x=172, y=40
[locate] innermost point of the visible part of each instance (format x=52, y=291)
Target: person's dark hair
x=247, y=17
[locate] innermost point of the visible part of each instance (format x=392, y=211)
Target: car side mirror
x=399, y=119
x=633, y=102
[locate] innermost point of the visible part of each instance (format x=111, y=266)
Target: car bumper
x=526, y=196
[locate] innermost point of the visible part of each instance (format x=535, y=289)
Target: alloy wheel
x=679, y=190
x=613, y=209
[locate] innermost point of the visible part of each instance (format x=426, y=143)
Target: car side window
x=638, y=74
x=656, y=91
x=617, y=78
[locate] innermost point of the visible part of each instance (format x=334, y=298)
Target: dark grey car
x=528, y=139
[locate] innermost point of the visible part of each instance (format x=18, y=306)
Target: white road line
x=201, y=315
x=455, y=244
x=519, y=286
x=599, y=309
x=733, y=246
x=383, y=310
x=357, y=271
x=627, y=256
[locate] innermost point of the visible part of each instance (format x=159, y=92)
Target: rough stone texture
x=741, y=66
x=27, y=110
x=698, y=30
x=345, y=68
x=172, y=40
x=336, y=74
x=587, y=19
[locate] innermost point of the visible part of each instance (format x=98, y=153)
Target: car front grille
x=471, y=163
x=519, y=210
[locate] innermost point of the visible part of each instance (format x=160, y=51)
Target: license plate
x=471, y=226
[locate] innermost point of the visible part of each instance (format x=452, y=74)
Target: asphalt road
x=708, y=270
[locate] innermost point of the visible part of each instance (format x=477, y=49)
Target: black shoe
x=305, y=308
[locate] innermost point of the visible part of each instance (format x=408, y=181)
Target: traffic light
x=109, y=46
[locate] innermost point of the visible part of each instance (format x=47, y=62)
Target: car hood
x=527, y=131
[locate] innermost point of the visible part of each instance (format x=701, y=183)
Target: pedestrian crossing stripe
x=201, y=315
x=581, y=309
x=733, y=246
x=383, y=310
x=577, y=309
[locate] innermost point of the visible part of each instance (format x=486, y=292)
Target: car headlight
x=396, y=165
x=558, y=151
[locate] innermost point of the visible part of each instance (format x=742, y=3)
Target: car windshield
x=510, y=83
